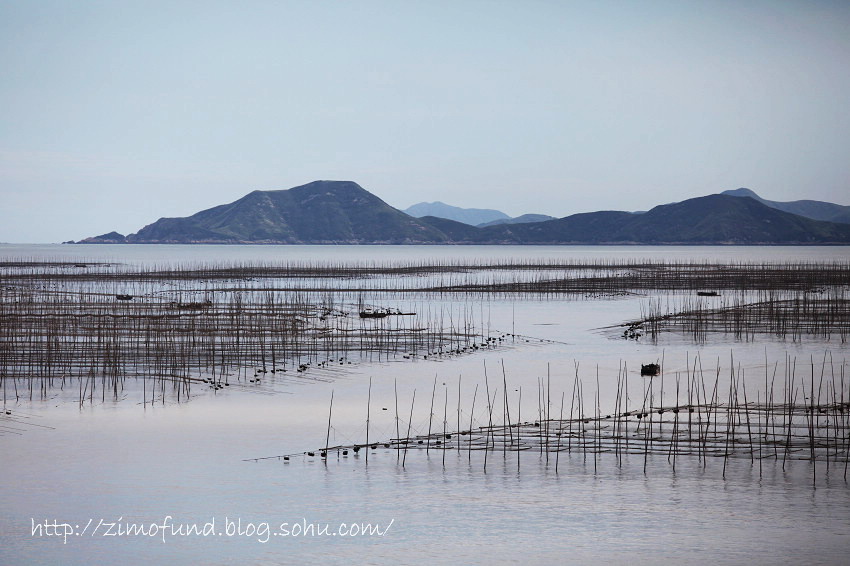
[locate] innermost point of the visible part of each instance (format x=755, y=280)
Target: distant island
x=343, y=212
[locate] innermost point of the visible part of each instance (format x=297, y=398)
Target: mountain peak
x=742, y=192
x=814, y=209
x=322, y=185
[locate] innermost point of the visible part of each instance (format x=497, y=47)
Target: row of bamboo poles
x=801, y=414
x=823, y=314
x=166, y=343
x=174, y=326
x=505, y=276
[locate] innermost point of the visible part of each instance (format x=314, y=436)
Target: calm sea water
x=122, y=463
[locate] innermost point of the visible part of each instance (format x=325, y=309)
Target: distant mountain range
x=480, y=217
x=471, y=216
x=342, y=212
x=524, y=219
x=814, y=209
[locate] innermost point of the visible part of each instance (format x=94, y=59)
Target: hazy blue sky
x=117, y=113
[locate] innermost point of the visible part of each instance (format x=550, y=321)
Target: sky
x=116, y=113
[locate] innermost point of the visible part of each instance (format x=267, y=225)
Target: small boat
x=369, y=313
x=382, y=313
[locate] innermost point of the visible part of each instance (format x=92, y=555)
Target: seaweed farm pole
x=471, y=415
x=445, y=422
x=490, y=412
x=572, y=404
x=792, y=397
x=397, y=431
x=846, y=426
x=767, y=407
x=368, y=409
x=617, y=418
x=674, y=444
x=647, y=429
x=747, y=414
x=729, y=421
x=431, y=417
x=507, y=406
x=625, y=404
x=519, y=426
x=540, y=414
x=328, y=437
x=844, y=423
x=598, y=409
x=581, y=428
x=409, y=422
x=834, y=404
x=694, y=399
x=812, y=421
x=490, y=421
x=759, y=431
x=712, y=406
x=837, y=423
x=459, y=377
x=661, y=401
x=548, y=406
x=560, y=422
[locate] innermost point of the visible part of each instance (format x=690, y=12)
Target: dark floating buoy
x=374, y=447
x=386, y=445
x=418, y=442
x=438, y=442
x=124, y=297
x=650, y=369
x=286, y=458
x=310, y=454
x=323, y=454
x=356, y=449
x=345, y=452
